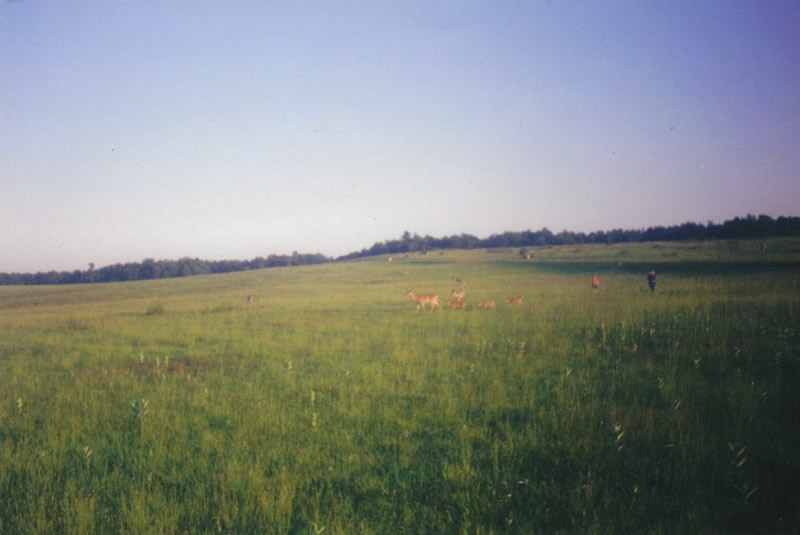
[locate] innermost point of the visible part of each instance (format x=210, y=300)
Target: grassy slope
x=329, y=403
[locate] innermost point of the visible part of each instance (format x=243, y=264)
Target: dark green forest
x=159, y=269
x=749, y=227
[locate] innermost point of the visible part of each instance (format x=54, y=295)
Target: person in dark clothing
x=651, y=280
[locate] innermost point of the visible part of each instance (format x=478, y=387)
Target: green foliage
x=150, y=269
x=735, y=230
x=329, y=405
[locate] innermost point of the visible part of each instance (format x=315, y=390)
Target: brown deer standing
x=424, y=299
x=458, y=294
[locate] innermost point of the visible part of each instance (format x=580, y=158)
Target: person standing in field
x=651, y=280
x=595, y=282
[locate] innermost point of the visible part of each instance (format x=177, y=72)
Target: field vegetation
x=329, y=405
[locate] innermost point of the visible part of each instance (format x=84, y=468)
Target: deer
x=457, y=304
x=514, y=300
x=251, y=299
x=486, y=305
x=424, y=299
x=458, y=294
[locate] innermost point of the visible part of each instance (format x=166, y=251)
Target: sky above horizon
x=132, y=130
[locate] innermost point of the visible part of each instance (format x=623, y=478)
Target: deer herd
x=456, y=300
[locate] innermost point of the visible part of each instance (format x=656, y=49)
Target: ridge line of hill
x=749, y=227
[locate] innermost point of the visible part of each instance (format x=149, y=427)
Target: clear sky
x=237, y=128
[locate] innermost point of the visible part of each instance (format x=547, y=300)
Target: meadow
x=329, y=405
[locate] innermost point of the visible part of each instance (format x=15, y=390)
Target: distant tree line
x=750, y=227
x=159, y=269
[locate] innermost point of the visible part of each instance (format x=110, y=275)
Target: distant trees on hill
x=750, y=227
x=159, y=269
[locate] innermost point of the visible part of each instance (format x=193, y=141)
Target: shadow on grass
x=675, y=268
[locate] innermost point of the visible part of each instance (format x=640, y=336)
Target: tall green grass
x=330, y=405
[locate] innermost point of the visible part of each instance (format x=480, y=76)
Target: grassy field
x=329, y=405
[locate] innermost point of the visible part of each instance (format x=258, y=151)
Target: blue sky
x=235, y=129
